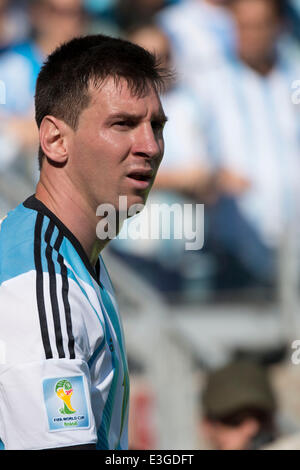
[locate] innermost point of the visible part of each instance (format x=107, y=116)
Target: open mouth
x=140, y=177
x=141, y=180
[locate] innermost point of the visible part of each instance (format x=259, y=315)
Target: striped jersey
x=184, y=142
x=201, y=35
x=253, y=129
x=63, y=369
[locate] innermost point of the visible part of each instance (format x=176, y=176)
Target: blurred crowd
x=239, y=407
x=233, y=137
x=232, y=143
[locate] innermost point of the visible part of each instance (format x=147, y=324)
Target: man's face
x=59, y=19
x=258, y=26
x=225, y=437
x=118, y=145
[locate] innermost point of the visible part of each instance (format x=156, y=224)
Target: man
x=53, y=22
x=130, y=13
x=13, y=25
x=252, y=137
x=239, y=407
x=100, y=124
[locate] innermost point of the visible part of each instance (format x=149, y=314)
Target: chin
x=137, y=199
x=127, y=199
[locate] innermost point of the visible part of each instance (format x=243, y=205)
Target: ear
x=53, y=139
x=249, y=428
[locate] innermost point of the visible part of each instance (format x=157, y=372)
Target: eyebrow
x=161, y=117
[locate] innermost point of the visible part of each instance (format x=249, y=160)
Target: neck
x=263, y=67
x=62, y=198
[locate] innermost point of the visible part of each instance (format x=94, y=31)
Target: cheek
x=99, y=156
x=107, y=142
x=115, y=145
x=87, y=146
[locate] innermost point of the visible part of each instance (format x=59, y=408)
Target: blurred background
x=211, y=333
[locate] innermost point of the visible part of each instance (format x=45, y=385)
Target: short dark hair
x=63, y=84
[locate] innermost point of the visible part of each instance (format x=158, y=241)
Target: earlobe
x=53, y=140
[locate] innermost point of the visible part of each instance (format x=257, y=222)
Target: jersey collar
x=35, y=204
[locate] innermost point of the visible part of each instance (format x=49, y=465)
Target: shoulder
x=25, y=50
x=216, y=79
x=23, y=58
x=17, y=243
x=19, y=67
x=289, y=442
x=17, y=55
x=43, y=300
x=288, y=66
x=32, y=242
x=181, y=100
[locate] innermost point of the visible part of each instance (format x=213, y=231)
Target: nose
x=148, y=143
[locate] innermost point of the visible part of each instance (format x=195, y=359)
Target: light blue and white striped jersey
x=19, y=68
x=253, y=129
x=63, y=369
x=184, y=147
x=201, y=35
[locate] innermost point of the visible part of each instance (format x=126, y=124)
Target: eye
x=125, y=124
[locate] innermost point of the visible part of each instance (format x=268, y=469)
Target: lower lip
x=139, y=184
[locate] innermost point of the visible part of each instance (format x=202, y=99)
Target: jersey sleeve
x=46, y=404
x=45, y=384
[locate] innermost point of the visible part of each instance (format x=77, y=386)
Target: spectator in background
x=13, y=26
x=239, y=407
x=132, y=13
x=252, y=138
x=52, y=22
x=201, y=34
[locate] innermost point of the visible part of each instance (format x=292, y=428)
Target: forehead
x=114, y=96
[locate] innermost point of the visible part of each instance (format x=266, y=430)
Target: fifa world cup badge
x=66, y=403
